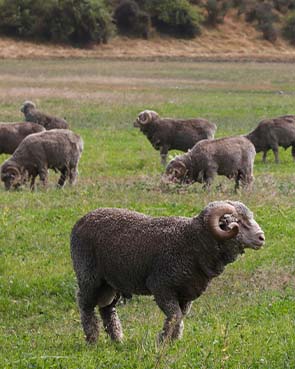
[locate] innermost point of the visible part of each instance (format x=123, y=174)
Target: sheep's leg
x=170, y=307
x=32, y=183
x=208, y=178
x=73, y=175
x=293, y=152
x=178, y=330
x=164, y=153
x=264, y=157
x=275, y=150
x=43, y=174
x=87, y=301
x=111, y=321
x=63, y=177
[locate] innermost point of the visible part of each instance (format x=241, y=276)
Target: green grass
x=246, y=319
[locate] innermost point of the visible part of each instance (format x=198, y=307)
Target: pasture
x=246, y=319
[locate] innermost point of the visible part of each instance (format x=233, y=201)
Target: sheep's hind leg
x=111, y=320
x=87, y=300
x=73, y=176
x=62, y=178
x=293, y=152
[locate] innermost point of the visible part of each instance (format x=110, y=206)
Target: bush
x=216, y=10
x=176, y=17
x=131, y=20
x=78, y=22
x=268, y=31
x=288, y=30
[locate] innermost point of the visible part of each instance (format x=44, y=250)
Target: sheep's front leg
x=264, y=157
x=111, y=321
x=293, y=152
x=170, y=307
x=275, y=150
x=164, y=153
x=178, y=330
x=43, y=174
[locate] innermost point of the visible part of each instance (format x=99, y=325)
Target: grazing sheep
x=47, y=121
x=272, y=133
x=12, y=134
x=173, y=134
x=58, y=149
x=232, y=157
x=120, y=252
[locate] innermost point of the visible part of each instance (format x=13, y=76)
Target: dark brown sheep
x=173, y=134
x=47, y=121
x=58, y=149
x=121, y=252
x=232, y=157
x=272, y=133
x=12, y=134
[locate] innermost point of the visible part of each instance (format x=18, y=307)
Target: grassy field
x=246, y=319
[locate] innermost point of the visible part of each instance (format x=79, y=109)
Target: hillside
x=233, y=40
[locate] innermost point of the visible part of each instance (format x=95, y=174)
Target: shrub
x=131, y=20
x=288, y=29
x=216, y=11
x=72, y=21
x=268, y=31
x=176, y=17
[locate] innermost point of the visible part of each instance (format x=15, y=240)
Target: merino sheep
x=120, y=252
x=272, y=133
x=232, y=157
x=12, y=134
x=47, y=121
x=173, y=134
x=58, y=149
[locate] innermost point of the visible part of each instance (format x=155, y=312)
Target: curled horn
x=213, y=222
x=13, y=170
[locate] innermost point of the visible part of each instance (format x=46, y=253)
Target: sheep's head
x=176, y=171
x=232, y=219
x=145, y=117
x=11, y=176
x=27, y=105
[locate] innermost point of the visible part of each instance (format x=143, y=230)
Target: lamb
x=47, y=121
x=272, y=133
x=12, y=134
x=117, y=252
x=58, y=149
x=173, y=134
x=232, y=157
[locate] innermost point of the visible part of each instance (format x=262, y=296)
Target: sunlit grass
x=246, y=317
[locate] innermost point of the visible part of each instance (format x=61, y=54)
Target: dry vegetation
x=233, y=40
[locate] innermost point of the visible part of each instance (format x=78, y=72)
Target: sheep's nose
x=261, y=237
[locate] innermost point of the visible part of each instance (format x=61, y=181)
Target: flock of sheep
x=116, y=252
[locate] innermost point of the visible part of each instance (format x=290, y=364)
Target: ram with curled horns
x=117, y=252
x=173, y=134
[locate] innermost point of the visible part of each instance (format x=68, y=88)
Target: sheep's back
x=127, y=246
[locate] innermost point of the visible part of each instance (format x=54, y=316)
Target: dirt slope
x=233, y=40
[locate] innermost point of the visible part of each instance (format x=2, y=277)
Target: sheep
x=58, y=149
x=11, y=135
x=117, y=252
x=47, y=121
x=232, y=157
x=173, y=134
x=272, y=133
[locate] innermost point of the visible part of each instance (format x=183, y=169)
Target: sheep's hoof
x=91, y=340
